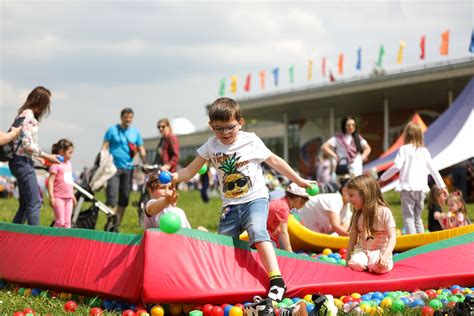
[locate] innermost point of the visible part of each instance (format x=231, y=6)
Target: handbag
x=342, y=167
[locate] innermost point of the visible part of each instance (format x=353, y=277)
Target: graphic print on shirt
x=235, y=183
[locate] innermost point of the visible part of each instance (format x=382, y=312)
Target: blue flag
x=359, y=59
x=275, y=75
x=471, y=49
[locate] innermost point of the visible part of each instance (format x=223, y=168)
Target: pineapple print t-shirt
x=238, y=166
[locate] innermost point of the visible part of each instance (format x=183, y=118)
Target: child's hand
x=175, y=180
x=383, y=260
x=172, y=198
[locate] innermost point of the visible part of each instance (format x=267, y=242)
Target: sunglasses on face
x=222, y=129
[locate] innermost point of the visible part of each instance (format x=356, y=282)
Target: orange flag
x=262, y=79
x=247, y=83
x=444, y=49
x=340, y=64
x=233, y=84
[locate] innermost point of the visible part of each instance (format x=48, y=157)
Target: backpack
x=7, y=152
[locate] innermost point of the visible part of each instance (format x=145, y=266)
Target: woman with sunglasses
x=167, y=152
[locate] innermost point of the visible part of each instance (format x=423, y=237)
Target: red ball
x=19, y=313
x=427, y=311
x=240, y=305
x=277, y=312
x=347, y=299
x=96, y=311
x=342, y=251
x=128, y=312
x=217, y=311
x=141, y=311
x=70, y=306
x=456, y=291
x=29, y=310
x=207, y=309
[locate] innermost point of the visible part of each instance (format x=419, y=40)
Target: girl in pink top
x=372, y=234
x=457, y=214
x=60, y=189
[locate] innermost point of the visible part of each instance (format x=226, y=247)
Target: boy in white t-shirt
x=237, y=156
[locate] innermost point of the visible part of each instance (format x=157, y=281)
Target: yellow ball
x=386, y=303
x=307, y=298
x=439, y=291
x=157, y=310
x=327, y=251
x=365, y=307
x=236, y=311
x=176, y=309
x=466, y=291
x=339, y=304
x=355, y=295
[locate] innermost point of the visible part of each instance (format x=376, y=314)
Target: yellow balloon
x=157, y=310
x=236, y=311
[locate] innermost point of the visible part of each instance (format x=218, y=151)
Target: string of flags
x=325, y=71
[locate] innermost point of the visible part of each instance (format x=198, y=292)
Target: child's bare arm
x=282, y=167
x=392, y=240
x=352, y=242
x=285, y=237
x=187, y=173
x=157, y=206
x=51, y=179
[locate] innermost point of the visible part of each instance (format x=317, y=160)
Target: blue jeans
x=30, y=196
x=120, y=184
x=251, y=216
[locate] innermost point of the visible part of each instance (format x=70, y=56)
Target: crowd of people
x=351, y=204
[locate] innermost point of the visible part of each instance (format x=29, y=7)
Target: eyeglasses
x=161, y=126
x=229, y=128
x=239, y=183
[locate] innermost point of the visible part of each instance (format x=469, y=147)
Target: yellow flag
x=233, y=84
x=310, y=70
x=400, y=52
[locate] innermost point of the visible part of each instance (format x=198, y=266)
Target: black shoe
x=297, y=309
x=277, y=289
x=261, y=307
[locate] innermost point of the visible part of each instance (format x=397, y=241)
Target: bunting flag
x=275, y=76
x=247, y=83
x=340, y=64
x=291, y=73
x=331, y=76
x=400, y=52
x=323, y=67
x=310, y=69
x=444, y=49
x=233, y=84
x=422, y=47
x=222, y=88
x=471, y=48
x=262, y=79
x=381, y=54
x=359, y=59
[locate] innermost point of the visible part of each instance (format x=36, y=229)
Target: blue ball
x=227, y=309
x=3, y=284
x=366, y=297
x=165, y=177
x=35, y=291
x=378, y=295
x=309, y=308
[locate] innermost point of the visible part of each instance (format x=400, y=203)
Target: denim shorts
x=251, y=216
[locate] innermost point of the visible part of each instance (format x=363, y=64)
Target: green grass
x=199, y=214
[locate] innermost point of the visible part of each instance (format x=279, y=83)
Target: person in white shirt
x=413, y=162
x=348, y=148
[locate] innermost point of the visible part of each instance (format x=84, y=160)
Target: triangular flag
x=381, y=54
x=331, y=76
x=340, y=64
x=222, y=88
x=422, y=47
x=444, y=49
x=247, y=83
x=275, y=75
x=471, y=48
x=310, y=70
x=262, y=79
x=400, y=52
x=291, y=73
x=323, y=67
x=359, y=59
x=233, y=84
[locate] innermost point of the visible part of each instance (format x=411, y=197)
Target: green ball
x=436, y=304
x=312, y=190
x=203, y=169
x=398, y=306
x=342, y=262
x=288, y=301
x=170, y=223
x=282, y=304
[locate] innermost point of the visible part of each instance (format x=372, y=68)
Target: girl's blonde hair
x=457, y=197
x=369, y=191
x=413, y=135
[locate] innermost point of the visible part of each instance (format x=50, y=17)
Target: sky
x=167, y=58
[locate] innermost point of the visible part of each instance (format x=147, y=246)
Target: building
x=295, y=123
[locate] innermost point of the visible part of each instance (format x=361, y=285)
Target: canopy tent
x=449, y=138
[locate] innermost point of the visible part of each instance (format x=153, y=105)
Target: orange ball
x=236, y=311
x=157, y=310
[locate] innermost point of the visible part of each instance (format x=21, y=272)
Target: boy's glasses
x=222, y=129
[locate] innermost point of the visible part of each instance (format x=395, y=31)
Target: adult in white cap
x=278, y=212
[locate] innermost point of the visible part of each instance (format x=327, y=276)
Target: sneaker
x=277, y=289
x=297, y=309
x=261, y=307
x=323, y=305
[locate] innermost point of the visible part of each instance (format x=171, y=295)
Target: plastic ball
x=203, y=169
x=175, y=309
x=157, y=310
x=398, y=306
x=18, y=313
x=309, y=308
x=308, y=298
x=128, y=312
x=287, y=301
x=96, y=311
x=427, y=311
x=217, y=311
x=342, y=262
x=227, y=310
x=312, y=190
x=70, y=306
x=355, y=295
x=386, y=303
x=29, y=310
x=436, y=304
x=206, y=309
x=327, y=251
x=196, y=312
x=170, y=223
x=61, y=158
x=165, y=177
x=236, y=311
x=35, y=291
x=142, y=312
x=3, y=284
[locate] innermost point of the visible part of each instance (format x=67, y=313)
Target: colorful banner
x=340, y=64
x=471, y=48
x=247, y=83
x=323, y=67
x=400, y=52
x=444, y=49
x=310, y=69
x=222, y=88
x=233, y=84
x=422, y=47
x=359, y=59
x=275, y=72
x=262, y=79
x=291, y=73
x=331, y=76
x=381, y=55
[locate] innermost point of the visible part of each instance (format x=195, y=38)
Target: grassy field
x=198, y=213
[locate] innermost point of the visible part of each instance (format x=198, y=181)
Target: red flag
x=247, y=83
x=262, y=79
x=444, y=49
x=331, y=76
x=340, y=64
x=323, y=67
x=422, y=47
